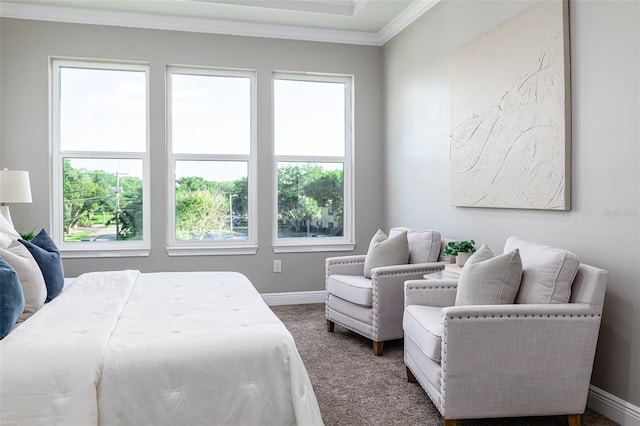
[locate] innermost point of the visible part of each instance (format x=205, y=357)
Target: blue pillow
x=11, y=298
x=47, y=256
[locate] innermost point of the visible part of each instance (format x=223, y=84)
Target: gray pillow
x=547, y=272
x=489, y=280
x=31, y=279
x=424, y=244
x=385, y=251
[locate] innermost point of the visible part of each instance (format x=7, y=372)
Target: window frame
x=81, y=249
x=213, y=247
x=306, y=244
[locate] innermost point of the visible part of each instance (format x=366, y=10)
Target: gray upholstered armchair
x=530, y=358
x=373, y=306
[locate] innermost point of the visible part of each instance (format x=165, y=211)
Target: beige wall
x=603, y=227
x=25, y=49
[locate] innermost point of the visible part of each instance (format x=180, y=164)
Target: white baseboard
x=612, y=407
x=294, y=298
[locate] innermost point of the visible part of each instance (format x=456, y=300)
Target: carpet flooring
x=354, y=387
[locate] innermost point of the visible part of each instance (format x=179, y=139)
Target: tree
x=90, y=192
x=84, y=192
x=297, y=184
x=199, y=212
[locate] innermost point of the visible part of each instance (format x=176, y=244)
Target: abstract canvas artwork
x=511, y=115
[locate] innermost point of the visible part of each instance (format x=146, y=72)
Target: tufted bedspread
x=126, y=348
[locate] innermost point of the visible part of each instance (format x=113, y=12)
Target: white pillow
x=424, y=244
x=385, y=251
x=489, y=280
x=30, y=276
x=547, y=272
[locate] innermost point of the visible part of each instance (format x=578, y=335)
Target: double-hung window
x=211, y=133
x=312, y=138
x=100, y=158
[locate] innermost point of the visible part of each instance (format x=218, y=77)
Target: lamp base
x=4, y=211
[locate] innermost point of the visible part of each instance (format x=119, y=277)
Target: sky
x=105, y=110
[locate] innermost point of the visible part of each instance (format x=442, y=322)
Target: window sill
x=212, y=251
x=96, y=253
x=306, y=248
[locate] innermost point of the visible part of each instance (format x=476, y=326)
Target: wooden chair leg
x=377, y=348
x=448, y=422
x=410, y=377
x=330, y=325
x=574, y=419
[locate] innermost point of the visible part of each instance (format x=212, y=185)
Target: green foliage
x=28, y=236
x=92, y=194
x=199, y=211
x=303, y=189
x=455, y=247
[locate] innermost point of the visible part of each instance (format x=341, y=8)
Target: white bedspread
x=124, y=348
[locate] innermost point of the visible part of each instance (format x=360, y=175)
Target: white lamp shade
x=15, y=186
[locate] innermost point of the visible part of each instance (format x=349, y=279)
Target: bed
x=131, y=348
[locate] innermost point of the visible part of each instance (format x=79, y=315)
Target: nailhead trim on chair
x=526, y=316
x=439, y=287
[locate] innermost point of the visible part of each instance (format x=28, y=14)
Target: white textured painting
x=510, y=114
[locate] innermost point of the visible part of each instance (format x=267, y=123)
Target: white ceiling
x=371, y=22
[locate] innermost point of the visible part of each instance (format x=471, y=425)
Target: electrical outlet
x=277, y=265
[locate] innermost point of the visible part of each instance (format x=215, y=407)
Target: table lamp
x=14, y=188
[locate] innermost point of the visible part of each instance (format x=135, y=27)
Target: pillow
x=47, y=256
x=424, y=244
x=547, y=272
x=385, y=251
x=489, y=280
x=33, y=287
x=11, y=298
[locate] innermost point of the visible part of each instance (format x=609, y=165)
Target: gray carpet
x=353, y=387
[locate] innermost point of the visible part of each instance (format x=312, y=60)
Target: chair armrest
x=345, y=265
x=431, y=292
x=409, y=269
x=521, y=349
x=388, y=296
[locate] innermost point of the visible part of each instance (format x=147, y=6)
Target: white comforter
x=125, y=348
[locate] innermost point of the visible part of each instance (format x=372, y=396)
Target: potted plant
x=461, y=250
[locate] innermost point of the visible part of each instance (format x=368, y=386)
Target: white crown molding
x=404, y=19
x=211, y=26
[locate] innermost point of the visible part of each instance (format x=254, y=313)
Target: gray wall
x=603, y=226
x=25, y=49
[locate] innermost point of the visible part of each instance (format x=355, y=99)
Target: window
x=211, y=132
x=312, y=122
x=100, y=158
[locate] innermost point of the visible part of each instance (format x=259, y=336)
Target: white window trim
x=213, y=247
x=347, y=241
x=80, y=249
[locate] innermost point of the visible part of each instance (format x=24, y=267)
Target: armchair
x=529, y=358
x=373, y=307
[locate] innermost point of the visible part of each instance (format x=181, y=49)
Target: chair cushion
x=424, y=325
x=354, y=288
x=547, y=272
x=385, y=251
x=489, y=280
x=424, y=244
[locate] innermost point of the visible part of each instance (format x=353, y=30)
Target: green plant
x=28, y=236
x=455, y=247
